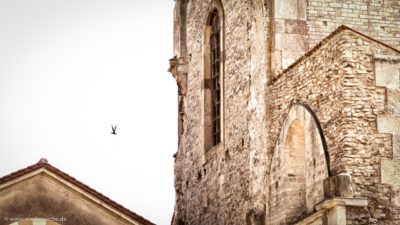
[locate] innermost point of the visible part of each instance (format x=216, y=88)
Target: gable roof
x=44, y=166
x=326, y=40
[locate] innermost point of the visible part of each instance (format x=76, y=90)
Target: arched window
x=215, y=63
x=213, y=79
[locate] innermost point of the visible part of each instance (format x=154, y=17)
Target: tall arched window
x=213, y=67
x=215, y=62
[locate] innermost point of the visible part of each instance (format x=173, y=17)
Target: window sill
x=214, y=153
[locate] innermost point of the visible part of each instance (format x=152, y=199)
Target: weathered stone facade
x=311, y=113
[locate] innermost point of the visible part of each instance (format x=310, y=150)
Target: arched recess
x=298, y=169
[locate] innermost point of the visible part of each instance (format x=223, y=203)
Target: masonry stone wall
x=230, y=183
x=299, y=25
x=214, y=185
x=337, y=82
x=387, y=75
x=379, y=19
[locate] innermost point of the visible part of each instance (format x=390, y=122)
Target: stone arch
x=299, y=167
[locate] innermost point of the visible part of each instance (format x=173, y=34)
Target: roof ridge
x=44, y=164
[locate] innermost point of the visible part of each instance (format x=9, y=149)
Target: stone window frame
x=208, y=139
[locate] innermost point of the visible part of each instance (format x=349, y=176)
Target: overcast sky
x=71, y=68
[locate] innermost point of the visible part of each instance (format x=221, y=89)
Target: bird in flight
x=114, y=129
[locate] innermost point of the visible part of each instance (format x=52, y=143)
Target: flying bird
x=114, y=129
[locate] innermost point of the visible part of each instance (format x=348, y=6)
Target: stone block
x=387, y=74
x=314, y=219
x=396, y=147
x=295, y=26
x=276, y=61
x=395, y=196
x=279, y=26
x=290, y=42
x=343, y=185
x=286, y=9
x=393, y=101
x=390, y=172
x=338, y=186
x=393, y=96
x=393, y=108
x=337, y=216
x=301, y=9
x=389, y=124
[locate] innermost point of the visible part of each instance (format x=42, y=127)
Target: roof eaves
x=77, y=183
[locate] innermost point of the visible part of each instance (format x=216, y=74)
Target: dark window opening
x=215, y=63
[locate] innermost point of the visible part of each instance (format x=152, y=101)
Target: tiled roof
x=44, y=164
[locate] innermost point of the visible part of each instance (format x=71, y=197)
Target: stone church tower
x=289, y=112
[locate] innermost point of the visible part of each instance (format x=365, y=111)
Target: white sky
x=71, y=68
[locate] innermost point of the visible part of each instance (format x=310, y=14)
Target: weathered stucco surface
x=349, y=83
x=40, y=195
x=43, y=198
